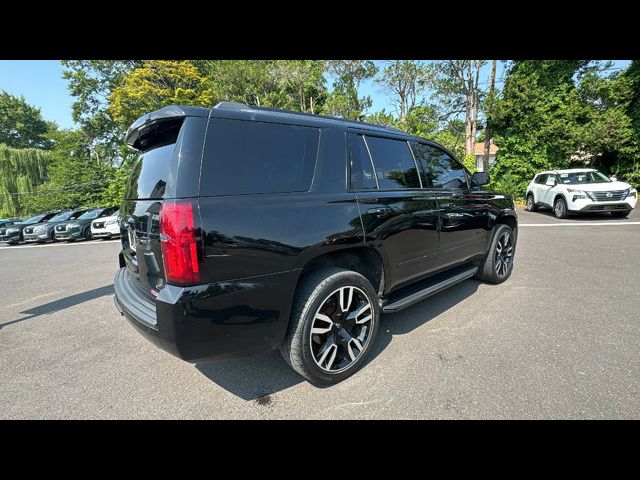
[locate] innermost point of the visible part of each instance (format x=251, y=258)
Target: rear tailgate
x=168, y=167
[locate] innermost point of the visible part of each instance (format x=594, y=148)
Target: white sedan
x=580, y=190
x=106, y=227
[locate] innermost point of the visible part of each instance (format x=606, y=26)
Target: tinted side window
x=394, y=163
x=243, y=157
x=442, y=170
x=542, y=179
x=361, y=170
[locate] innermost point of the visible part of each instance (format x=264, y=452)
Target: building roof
x=478, y=149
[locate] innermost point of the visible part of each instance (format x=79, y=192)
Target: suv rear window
x=244, y=157
x=157, y=163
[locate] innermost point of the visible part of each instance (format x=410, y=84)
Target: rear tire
x=341, y=307
x=531, y=204
x=498, y=263
x=560, y=208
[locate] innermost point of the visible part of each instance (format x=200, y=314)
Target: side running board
x=416, y=296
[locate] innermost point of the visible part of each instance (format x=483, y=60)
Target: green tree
x=344, y=99
x=536, y=121
x=21, y=124
x=76, y=175
x=21, y=171
x=155, y=84
x=404, y=81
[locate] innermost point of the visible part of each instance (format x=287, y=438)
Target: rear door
x=399, y=217
x=463, y=212
x=167, y=167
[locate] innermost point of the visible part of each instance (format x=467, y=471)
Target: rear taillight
x=178, y=242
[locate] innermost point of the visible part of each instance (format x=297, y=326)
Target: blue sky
x=42, y=85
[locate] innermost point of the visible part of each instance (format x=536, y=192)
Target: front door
x=464, y=213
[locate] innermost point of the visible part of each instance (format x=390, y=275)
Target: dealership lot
x=560, y=339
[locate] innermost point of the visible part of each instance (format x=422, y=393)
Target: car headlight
x=578, y=194
x=632, y=192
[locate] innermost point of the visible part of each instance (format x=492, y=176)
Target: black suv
x=247, y=228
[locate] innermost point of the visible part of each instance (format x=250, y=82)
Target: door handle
x=380, y=212
x=445, y=205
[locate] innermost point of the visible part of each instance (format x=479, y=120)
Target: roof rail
x=243, y=106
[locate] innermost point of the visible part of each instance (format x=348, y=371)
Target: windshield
x=60, y=217
x=576, y=178
x=90, y=214
x=35, y=219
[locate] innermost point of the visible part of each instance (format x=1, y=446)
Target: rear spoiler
x=145, y=125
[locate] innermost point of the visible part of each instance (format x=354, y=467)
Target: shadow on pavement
x=62, y=303
x=259, y=376
x=252, y=378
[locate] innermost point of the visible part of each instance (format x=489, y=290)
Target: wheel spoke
x=360, y=311
x=320, y=329
x=329, y=349
x=345, y=300
x=332, y=356
x=357, y=344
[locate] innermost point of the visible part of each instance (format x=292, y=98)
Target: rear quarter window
x=245, y=157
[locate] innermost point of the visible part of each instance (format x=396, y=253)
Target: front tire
x=498, y=263
x=531, y=204
x=334, y=321
x=560, y=208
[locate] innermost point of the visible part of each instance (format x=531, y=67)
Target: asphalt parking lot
x=559, y=339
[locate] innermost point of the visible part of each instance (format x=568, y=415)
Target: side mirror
x=481, y=178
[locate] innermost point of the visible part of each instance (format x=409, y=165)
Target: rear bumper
x=211, y=321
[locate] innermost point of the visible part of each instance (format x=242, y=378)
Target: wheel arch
x=363, y=260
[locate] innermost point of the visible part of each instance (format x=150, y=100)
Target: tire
x=560, y=208
x=531, y=204
x=87, y=234
x=488, y=271
x=620, y=214
x=320, y=290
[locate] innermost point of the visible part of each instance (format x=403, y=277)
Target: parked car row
x=62, y=225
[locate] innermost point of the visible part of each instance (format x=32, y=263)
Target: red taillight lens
x=178, y=242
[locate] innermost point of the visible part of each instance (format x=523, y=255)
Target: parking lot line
x=47, y=245
x=576, y=224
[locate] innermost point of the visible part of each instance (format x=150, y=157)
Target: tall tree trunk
x=468, y=112
x=487, y=136
x=474, y=111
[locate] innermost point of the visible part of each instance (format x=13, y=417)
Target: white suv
x=106, y=227
x=580, y=190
